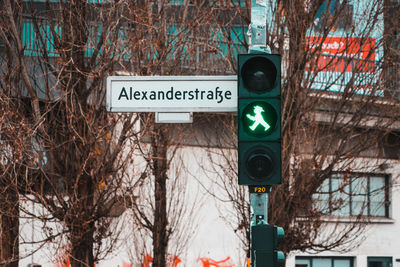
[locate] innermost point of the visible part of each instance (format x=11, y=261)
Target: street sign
x=171, y=93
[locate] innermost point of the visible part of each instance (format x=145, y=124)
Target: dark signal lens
x=259, y=165
x=259, y=75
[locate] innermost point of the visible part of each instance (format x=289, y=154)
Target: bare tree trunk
x=73, y=148
x=82, y=227
x=82, y=249
x=9, y=228
x=160, y=239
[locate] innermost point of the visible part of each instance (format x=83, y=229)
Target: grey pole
x=258, y=44
x=258, y=27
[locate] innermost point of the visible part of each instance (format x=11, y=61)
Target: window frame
x=351, y=194
x=332, y=258
x=384, y=260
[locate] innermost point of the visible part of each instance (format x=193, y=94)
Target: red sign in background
x=342, y=54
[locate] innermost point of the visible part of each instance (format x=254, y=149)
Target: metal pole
x=258, y=44
x=258, y=27
x=259, y=208
x=258, y=215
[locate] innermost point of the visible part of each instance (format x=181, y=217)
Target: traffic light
x=259, y=119
x=264, y=250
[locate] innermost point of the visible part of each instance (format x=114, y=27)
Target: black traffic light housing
x=264, y=246
x=259, y=119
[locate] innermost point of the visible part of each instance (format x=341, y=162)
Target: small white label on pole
x=174, y=117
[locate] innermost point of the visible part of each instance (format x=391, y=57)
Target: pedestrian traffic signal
x=259, y=119
x=264, y=245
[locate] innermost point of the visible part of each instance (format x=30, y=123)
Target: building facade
x=370, y=193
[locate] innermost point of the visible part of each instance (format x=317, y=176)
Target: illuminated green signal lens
x=259, y=119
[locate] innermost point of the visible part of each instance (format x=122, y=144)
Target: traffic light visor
x=259, y=75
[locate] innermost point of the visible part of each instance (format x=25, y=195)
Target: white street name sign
x=171, y=93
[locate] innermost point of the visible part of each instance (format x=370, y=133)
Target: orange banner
x=342, y=54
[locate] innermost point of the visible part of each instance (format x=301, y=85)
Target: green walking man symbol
x=258, y=119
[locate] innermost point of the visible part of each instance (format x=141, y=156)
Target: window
x=353, y=195
x=380, y=262
x=341, y=13
x=324, y=262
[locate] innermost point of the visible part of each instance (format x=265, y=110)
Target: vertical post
x=259, y=148
x=259, y=207
x=258, y=27
x=258, y=43
x=258, y=215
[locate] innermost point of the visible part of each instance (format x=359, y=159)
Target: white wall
x=382, y=237
x=214, y=239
